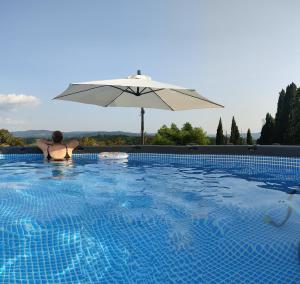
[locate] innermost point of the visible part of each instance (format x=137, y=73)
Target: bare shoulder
x=73, y=144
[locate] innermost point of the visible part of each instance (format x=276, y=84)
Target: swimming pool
x=152, y=219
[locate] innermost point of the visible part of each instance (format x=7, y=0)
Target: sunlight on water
x=95, y=221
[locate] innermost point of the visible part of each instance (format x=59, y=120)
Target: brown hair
x=57, y=136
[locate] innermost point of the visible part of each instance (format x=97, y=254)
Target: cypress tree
x=267, y=131
x=283, y=115
x=249, y=137
x=232, y=132
x=235, y=137
x=294, y=125
x=290, y=102
x=220, y=139
x=279, y=125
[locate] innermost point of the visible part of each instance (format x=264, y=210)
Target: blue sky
x=237, y=53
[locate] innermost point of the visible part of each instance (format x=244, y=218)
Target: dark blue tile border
x=218, y=159
x=257, y=150
x=198, y=159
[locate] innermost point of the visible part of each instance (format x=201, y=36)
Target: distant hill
x=46, y=134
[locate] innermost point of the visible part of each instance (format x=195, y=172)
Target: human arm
x=43, y=144
x=72, y=144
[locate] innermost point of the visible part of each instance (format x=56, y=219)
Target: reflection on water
x=268, y=219
x=91, y=221
x=60, y=168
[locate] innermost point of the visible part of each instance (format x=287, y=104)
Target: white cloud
x=7, y=121
x=14, y=101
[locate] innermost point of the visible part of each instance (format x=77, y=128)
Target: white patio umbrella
x=136, y=91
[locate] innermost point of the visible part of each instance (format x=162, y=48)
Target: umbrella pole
x=142, y=114
x=142, y=126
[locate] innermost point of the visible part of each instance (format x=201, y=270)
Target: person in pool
x=57, y=150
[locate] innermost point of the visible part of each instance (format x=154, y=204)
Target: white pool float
x=113, y=155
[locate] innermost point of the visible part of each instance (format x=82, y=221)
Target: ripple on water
x=106, y=222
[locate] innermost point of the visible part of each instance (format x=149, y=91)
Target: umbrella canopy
x=136, y=91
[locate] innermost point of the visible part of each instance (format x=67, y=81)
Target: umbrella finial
x=139, y=72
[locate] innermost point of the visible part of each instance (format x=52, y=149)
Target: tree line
x=235, y=137
x=285, y=127
x=109, y=140
x=172, y=135
x=7, y=139
x=187, y=134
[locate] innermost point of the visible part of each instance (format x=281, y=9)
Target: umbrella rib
x=202, y=99
x=150, y=91
x=117, y=97
x=141, y=92
x=81, y=91
x=123, y=90
x=162, y=99
x=93, y=88
x=131, y=90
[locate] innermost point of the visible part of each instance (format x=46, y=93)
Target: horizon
x=219, y=50
x=113, y=131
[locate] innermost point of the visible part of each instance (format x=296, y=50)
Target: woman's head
x=57, y=137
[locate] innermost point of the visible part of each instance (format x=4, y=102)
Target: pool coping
x=256, y=150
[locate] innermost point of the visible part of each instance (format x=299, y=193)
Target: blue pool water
x=149, y=220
